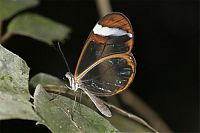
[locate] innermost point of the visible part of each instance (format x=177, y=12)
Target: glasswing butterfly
x=106, y=65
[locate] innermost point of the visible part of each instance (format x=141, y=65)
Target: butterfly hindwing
x=109, y=75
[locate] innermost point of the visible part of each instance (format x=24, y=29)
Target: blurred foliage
x=29, y=24
x=45, y=79
x=11, y=7
x=38, y=27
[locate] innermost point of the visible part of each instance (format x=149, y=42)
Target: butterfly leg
x=80, y=98
x=73, y=107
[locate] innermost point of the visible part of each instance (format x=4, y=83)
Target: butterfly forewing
x=106, y=65
x=116, y=36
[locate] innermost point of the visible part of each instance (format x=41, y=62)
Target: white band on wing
x=106, y=31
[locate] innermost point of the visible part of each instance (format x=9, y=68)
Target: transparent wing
x=112, y=35
x=109, y=75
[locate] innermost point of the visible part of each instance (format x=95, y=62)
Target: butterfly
x=106, y=65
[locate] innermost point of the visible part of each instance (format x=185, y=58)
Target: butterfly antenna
x=63, y=57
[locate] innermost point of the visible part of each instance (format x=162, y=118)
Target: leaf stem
x=144, y=110
x=5, y=37
x=131, y=116
x=104, y=7
x=1, y=27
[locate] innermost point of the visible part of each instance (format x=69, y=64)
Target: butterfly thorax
x=73, y=85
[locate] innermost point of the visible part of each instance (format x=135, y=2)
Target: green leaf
x=124, y=124
x=38, y=27
x=45, y=79
x=58, y=115
x=14, y=94
x=10, y=7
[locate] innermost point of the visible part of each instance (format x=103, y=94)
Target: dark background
x=166, y=50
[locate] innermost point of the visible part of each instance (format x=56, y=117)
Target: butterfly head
x=72, y=83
